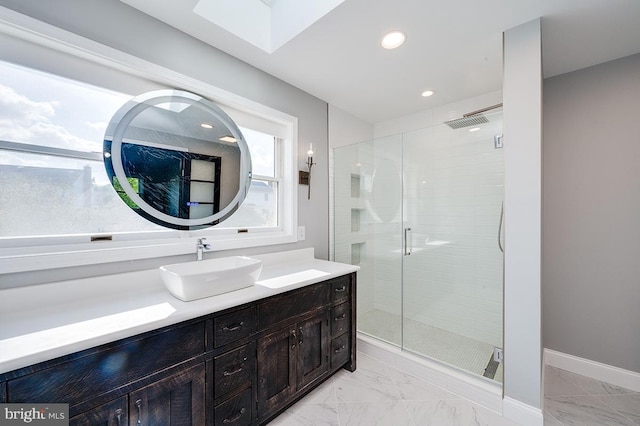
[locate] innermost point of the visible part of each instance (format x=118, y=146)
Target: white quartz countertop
x=42, y=322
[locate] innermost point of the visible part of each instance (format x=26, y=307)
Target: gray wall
x=591, y=213
x=119, y=26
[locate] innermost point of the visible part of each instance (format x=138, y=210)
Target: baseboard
x=593, y=369
x=521, y=413
x=473, y=388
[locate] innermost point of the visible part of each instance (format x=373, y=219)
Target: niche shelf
x=355, y=186
x=355, y=220
x=357, y=253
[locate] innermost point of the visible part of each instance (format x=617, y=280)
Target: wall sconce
x=304, y=178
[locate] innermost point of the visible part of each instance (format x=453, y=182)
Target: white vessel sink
x=196, y=280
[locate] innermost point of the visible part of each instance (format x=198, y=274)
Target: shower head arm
x=480, y=111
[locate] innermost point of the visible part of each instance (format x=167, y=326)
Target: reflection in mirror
x=177, y=159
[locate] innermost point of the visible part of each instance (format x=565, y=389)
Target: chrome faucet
x=201, y=247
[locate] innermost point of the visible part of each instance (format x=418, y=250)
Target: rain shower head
x=467, y=121
x=474, y=118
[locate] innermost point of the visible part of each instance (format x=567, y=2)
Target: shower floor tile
x=459, y=351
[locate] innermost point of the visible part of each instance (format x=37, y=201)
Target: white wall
x=522, y=88
x=346, y=129
x=119, y=26
x=591, y=214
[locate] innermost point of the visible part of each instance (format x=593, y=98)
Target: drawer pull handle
x=343, y=288
x=227, y=373
x=301, y=339
x=118, y=416
x=340, y=349
x=234, y=418
x=233, y=327
x=139, y=409
x=340, y=317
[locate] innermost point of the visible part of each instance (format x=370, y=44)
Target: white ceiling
x=453, y=47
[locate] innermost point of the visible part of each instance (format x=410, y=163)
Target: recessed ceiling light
x=474, y=129
x=228, y=138
x=393, y=39
x=206, y=126
x=428, y=93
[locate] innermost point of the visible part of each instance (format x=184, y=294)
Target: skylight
x=267, y=24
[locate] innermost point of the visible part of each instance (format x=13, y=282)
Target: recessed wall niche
x=355, y=220
x=357, y=253
x=355, y=186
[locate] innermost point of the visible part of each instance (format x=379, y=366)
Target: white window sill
x=38, y=258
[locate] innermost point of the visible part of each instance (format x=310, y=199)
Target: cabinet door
x=276, y=369
x=112, y=413
x=313, y=349
x=177, y=400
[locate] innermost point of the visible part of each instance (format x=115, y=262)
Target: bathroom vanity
x=238, y=358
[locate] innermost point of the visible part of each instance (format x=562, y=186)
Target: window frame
x=21, y=254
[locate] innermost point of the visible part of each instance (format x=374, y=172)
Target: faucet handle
x=202, y=244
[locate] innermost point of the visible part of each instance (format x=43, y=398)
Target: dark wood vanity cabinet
x=289, y=360
x=113, y=413
x=238, y=367
x=175, y=400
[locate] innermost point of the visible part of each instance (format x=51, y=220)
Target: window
x=56, y=197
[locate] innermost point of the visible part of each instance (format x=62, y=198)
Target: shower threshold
x=425, y=340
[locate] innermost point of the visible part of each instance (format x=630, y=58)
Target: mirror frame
x=122, y=119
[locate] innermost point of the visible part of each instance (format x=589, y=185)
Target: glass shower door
x=452, y=264
x=367, y=230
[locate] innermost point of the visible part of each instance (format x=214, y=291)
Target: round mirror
x=177, y=159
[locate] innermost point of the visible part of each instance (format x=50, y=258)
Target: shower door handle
x=407, y=245
x=500, y=228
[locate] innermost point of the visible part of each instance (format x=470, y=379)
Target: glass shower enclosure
x=420, y=212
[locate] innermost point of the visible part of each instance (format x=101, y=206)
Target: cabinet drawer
x=235, y=325
x=97, y=372
x=112, y=413
x=340, y=351
x=235, y=411
x=340, y=288
x=233, y=369
x=340, y=319
x=288, y=305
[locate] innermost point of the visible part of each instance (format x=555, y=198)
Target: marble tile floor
x=571, y=399
x=379, y=394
